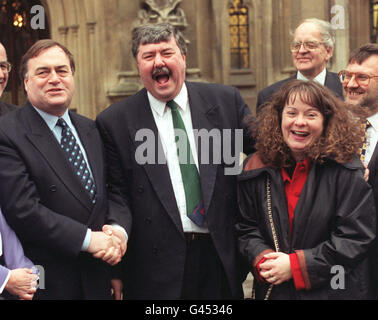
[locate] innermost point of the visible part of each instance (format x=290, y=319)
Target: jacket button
x=53, y=188
x=155, y=250
x=140, y=189
x=148, y=220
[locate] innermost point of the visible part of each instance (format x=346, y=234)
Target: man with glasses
x=360, y=84
x=312, y=48
x=5, y=68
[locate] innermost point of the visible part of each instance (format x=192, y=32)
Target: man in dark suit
x=176, y=250
x=312, y=48
x=360, y=84
x=52, y=189
x=5, y=68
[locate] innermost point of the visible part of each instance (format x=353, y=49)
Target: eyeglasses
x=362, y=79
x=5, y=66
x=295, y=46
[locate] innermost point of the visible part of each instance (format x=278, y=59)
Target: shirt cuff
x=296, y=271
x=4, y=282
x=87, y=240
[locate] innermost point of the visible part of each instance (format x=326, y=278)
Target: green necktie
x=190, y=177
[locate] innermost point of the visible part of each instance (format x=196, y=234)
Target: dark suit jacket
x=45, y=204
x=5, y=108
x=154, y=262
x=332, y=82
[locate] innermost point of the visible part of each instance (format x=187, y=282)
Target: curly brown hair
x=342, y=132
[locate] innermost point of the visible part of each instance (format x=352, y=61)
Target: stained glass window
x=239, y=35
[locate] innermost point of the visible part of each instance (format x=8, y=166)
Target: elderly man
x=52, y=182
x=182, y=203
x=312, y=48
x=360, y=84
x=5, y=68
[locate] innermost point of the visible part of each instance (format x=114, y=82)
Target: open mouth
x=355, y=93
x=300, y=134
x=161, y=75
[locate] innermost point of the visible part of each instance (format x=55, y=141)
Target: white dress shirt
x=320, y=78
x=372, y=137
x=163, y=119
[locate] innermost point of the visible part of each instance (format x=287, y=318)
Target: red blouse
x=293, y=189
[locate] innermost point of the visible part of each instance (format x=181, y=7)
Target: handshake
x=108, y=244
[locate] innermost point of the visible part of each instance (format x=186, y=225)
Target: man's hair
x=36, y=49
x=325, y=28
x=155, y=33
x=364, y=52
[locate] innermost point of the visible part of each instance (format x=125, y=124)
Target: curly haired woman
x=307, y=221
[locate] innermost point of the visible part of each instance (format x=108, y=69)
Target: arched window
x=374, y=21
x=239, y=35
x=17, y=36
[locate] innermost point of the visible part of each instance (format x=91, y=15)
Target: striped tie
x=75, y=157
x=365, y=127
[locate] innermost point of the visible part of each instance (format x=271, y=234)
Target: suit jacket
x=155, y=258
x=5, y=108
x=11, y=252
x=44, y=202
x=332, y=82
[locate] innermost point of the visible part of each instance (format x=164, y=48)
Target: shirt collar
x=159, y=106
x=374, y=121
x=52, y=119
x=320, y=78
x=301, y=168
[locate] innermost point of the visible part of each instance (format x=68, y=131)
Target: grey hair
x=155, y=33
x=325, y=28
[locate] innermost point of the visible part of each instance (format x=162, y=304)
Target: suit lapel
x=45, y=142
x=204, y=116
x=333, y=83
x=157, y=171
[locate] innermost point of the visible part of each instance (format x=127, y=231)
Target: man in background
x=311, y=49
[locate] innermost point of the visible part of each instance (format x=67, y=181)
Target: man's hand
x=111, y=230
x=22, y=283
x=105, y=246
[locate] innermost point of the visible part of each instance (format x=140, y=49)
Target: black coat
x=334, y=225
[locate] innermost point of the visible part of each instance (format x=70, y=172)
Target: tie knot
x=172, y=105
x=61, y=123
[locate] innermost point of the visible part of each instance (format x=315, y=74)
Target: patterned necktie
x=75, y=157
x=365, y=127
x=194, y=205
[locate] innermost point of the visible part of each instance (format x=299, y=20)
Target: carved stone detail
x=156, y=11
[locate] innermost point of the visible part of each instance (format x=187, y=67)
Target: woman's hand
x=276, y=269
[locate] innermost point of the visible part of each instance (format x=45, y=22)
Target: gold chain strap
x=275, y=239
